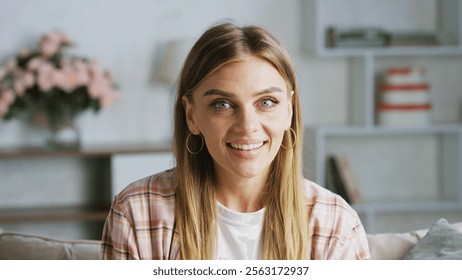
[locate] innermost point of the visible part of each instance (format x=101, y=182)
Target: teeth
x=247, y=147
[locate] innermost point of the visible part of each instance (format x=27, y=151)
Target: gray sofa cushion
x=442, y=242
x=17, y=246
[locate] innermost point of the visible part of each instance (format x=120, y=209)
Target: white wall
x=128, y=37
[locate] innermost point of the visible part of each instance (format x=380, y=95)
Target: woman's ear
x=290, y=109
x=190, y=116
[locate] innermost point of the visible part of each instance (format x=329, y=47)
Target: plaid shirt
x=140, y=224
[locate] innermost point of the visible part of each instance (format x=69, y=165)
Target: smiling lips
x=246, y=147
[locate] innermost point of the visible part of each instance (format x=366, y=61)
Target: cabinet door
x=127, y=168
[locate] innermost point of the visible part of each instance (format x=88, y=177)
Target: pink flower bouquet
x=48, y=83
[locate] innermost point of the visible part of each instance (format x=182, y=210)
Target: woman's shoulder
x=336, y=229
x=158, y=187
x=143, y=213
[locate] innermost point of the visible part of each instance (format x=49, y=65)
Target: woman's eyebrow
x=269, y=90
x=231, y=95
x=219, y=92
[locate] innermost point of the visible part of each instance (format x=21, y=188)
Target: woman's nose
x=246, y=120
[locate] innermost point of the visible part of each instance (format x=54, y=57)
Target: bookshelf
x=67, y=193
x=404, y=173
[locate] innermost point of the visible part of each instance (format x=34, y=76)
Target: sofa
x=441, y=241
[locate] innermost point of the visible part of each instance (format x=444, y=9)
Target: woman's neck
x=240, y=194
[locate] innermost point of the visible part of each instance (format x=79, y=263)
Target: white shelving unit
x=402, y=172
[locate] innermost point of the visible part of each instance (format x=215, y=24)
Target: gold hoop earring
x=187, y=144
x=294, y=139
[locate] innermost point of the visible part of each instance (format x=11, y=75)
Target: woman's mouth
x=246, y=147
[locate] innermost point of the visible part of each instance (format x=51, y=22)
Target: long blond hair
x=285, y=229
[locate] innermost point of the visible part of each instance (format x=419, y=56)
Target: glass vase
x=66, y=135
x=62, y=130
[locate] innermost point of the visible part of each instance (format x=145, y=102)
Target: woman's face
x=242, y=110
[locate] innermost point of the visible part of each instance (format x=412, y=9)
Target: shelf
x=392, y=164
x=378, y=130
x=87, y=177
x=87, y=151
x=390, y=51
x=398, y=207
x=53, y=214
x=434, y=16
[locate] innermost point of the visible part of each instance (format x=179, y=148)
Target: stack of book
x=409, y=39
x=357, y=37
x=365, y=37
x=404, y=99
x=341, y=180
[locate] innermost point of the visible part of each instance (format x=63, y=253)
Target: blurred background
x=379, y=83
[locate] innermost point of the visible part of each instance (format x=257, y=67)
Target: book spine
x=336, y=183
x=348, y=178
x=329, y=176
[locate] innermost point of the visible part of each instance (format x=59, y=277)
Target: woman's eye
x=221, y=105
x=268, y=103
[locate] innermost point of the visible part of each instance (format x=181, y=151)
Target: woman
x=237, y=191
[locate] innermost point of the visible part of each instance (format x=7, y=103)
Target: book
x=378, y=37
x=334, y=181
x=404, y=98
x=341, y=180
x=416, y=38
x=357, y=37
x=348, y=178
x=330, y=180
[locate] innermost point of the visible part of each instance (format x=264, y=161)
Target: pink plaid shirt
x=140, y=224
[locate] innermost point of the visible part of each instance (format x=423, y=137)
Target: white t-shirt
x=239, y=234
